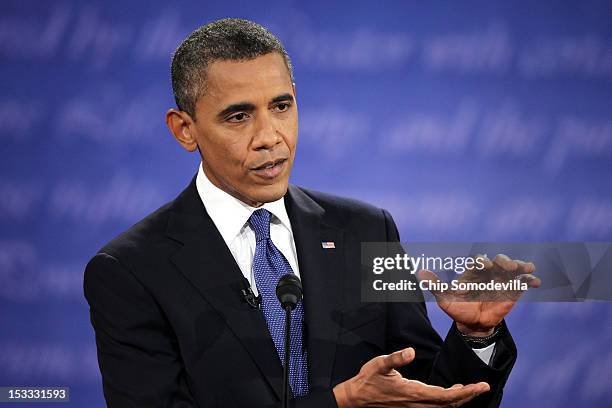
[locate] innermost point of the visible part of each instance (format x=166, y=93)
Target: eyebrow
x=249, y=107
x=283, y=98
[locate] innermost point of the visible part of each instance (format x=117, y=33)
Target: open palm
x=479, y=311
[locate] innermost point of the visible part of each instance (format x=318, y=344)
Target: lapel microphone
x=248, y=295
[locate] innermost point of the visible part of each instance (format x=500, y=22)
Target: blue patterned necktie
x=269, y=265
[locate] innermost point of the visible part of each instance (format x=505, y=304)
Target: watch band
x=482, y=342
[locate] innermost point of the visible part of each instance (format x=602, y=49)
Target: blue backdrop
x=467, y=120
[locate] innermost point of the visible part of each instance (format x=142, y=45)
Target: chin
x=270, y=193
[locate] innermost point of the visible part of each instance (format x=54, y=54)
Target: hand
x=475, y=312
x=378, y=384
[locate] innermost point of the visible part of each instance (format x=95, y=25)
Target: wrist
x=341, y=395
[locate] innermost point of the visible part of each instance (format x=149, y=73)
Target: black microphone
x=289, y=290
x=248, y=295
x=289, y=294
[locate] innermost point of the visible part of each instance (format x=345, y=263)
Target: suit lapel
x=321, y=270
x=208, y=264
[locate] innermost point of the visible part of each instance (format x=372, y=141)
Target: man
x=169, y=298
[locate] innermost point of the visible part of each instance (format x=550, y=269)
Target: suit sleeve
x=447, y=362
x=137, y=351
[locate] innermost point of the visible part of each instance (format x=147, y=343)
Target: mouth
x=270, y=169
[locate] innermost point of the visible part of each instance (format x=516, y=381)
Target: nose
x=266, y=135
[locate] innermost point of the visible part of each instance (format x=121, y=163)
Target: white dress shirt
x=231, y=217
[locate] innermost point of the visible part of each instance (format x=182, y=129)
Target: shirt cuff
x=485, y=353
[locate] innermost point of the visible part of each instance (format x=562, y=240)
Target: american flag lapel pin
x=328, y=244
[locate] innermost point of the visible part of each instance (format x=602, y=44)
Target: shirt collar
x=230, y=214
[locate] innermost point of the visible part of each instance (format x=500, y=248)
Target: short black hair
x=230, y=39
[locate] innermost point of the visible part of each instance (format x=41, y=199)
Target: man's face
x=246, y=127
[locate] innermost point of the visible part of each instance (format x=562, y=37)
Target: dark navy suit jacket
x=173, y=329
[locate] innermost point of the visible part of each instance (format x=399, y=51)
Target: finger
x=478, y=271
x=457, y=386
x=453, y=394
x=488, y=264
x=505, y=263
x=470, y=392
x=525, y=267
x=434, y=287
x=531, y=280
x=485, y=261
x=477, y=388
x=395, y=360
x=467, y=399
x=427, y=275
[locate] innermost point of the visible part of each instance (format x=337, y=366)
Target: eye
x=239, y=117
x=282, y=107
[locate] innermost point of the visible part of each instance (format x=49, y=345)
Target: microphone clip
x=250, y=298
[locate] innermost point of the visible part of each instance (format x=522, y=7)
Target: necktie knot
x=260, y=223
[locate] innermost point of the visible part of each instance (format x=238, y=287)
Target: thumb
x=429, y=276
x=395, y=360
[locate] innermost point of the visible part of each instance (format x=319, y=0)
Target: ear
x=181, y=126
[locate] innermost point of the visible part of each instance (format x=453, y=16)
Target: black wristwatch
x=482, y=342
